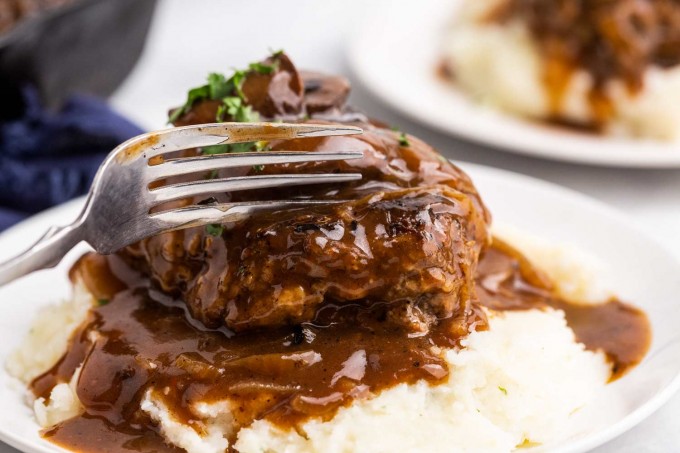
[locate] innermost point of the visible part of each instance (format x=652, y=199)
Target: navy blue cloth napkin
x=47, y=158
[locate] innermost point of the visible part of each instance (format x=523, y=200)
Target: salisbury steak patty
x=408, y=234
x=278, y=268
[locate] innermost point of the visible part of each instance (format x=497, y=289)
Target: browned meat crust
x=412, y=230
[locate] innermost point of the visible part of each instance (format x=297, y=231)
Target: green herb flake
x=403, y=140
x=214, y=229
x=233, y=148
x=233, y=106
x=503, y=389
x=219, y=86
x=236, y=108
x=215, y=149
x=237, y=79
x=264, y=68
x=194, y=95
x=102, y=302
x=262, y=145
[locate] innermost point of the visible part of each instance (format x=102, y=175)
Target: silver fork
x=117, y=211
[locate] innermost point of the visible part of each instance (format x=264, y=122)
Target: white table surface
x=191, y=38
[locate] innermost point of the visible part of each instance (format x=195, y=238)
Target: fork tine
x=179, y=138
x=197, y=215
x=174, y=167
x=190, y=189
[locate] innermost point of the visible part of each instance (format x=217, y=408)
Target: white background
x=191, y=38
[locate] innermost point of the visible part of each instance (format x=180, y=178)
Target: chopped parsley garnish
x=264, y=68
x=403, y=139
x=214, y=229
x=228, y=148
x=236, y=148
x=234, y=105
x=102, y=302
x=218, y=86
x=503, y=389
x=227, y=89
x=237, y=109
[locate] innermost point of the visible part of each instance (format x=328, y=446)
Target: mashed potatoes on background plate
x=501, y=64
x=517, y=383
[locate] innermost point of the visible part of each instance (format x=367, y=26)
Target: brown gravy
x=507, y=281
x=287, y=375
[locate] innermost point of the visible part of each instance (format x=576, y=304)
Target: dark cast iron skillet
x=88, y=46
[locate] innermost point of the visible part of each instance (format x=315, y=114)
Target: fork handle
x=44, y=254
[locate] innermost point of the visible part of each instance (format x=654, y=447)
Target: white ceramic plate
x=395, y=54
x=641, y=271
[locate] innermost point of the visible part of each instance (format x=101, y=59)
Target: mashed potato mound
x=48, y=337
x=63, y=403
x=45, y=343
x=579, y=277
x=500, y=65
x=216, y=420
x=506, y=387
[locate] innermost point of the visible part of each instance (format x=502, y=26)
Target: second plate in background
x=396, y=54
